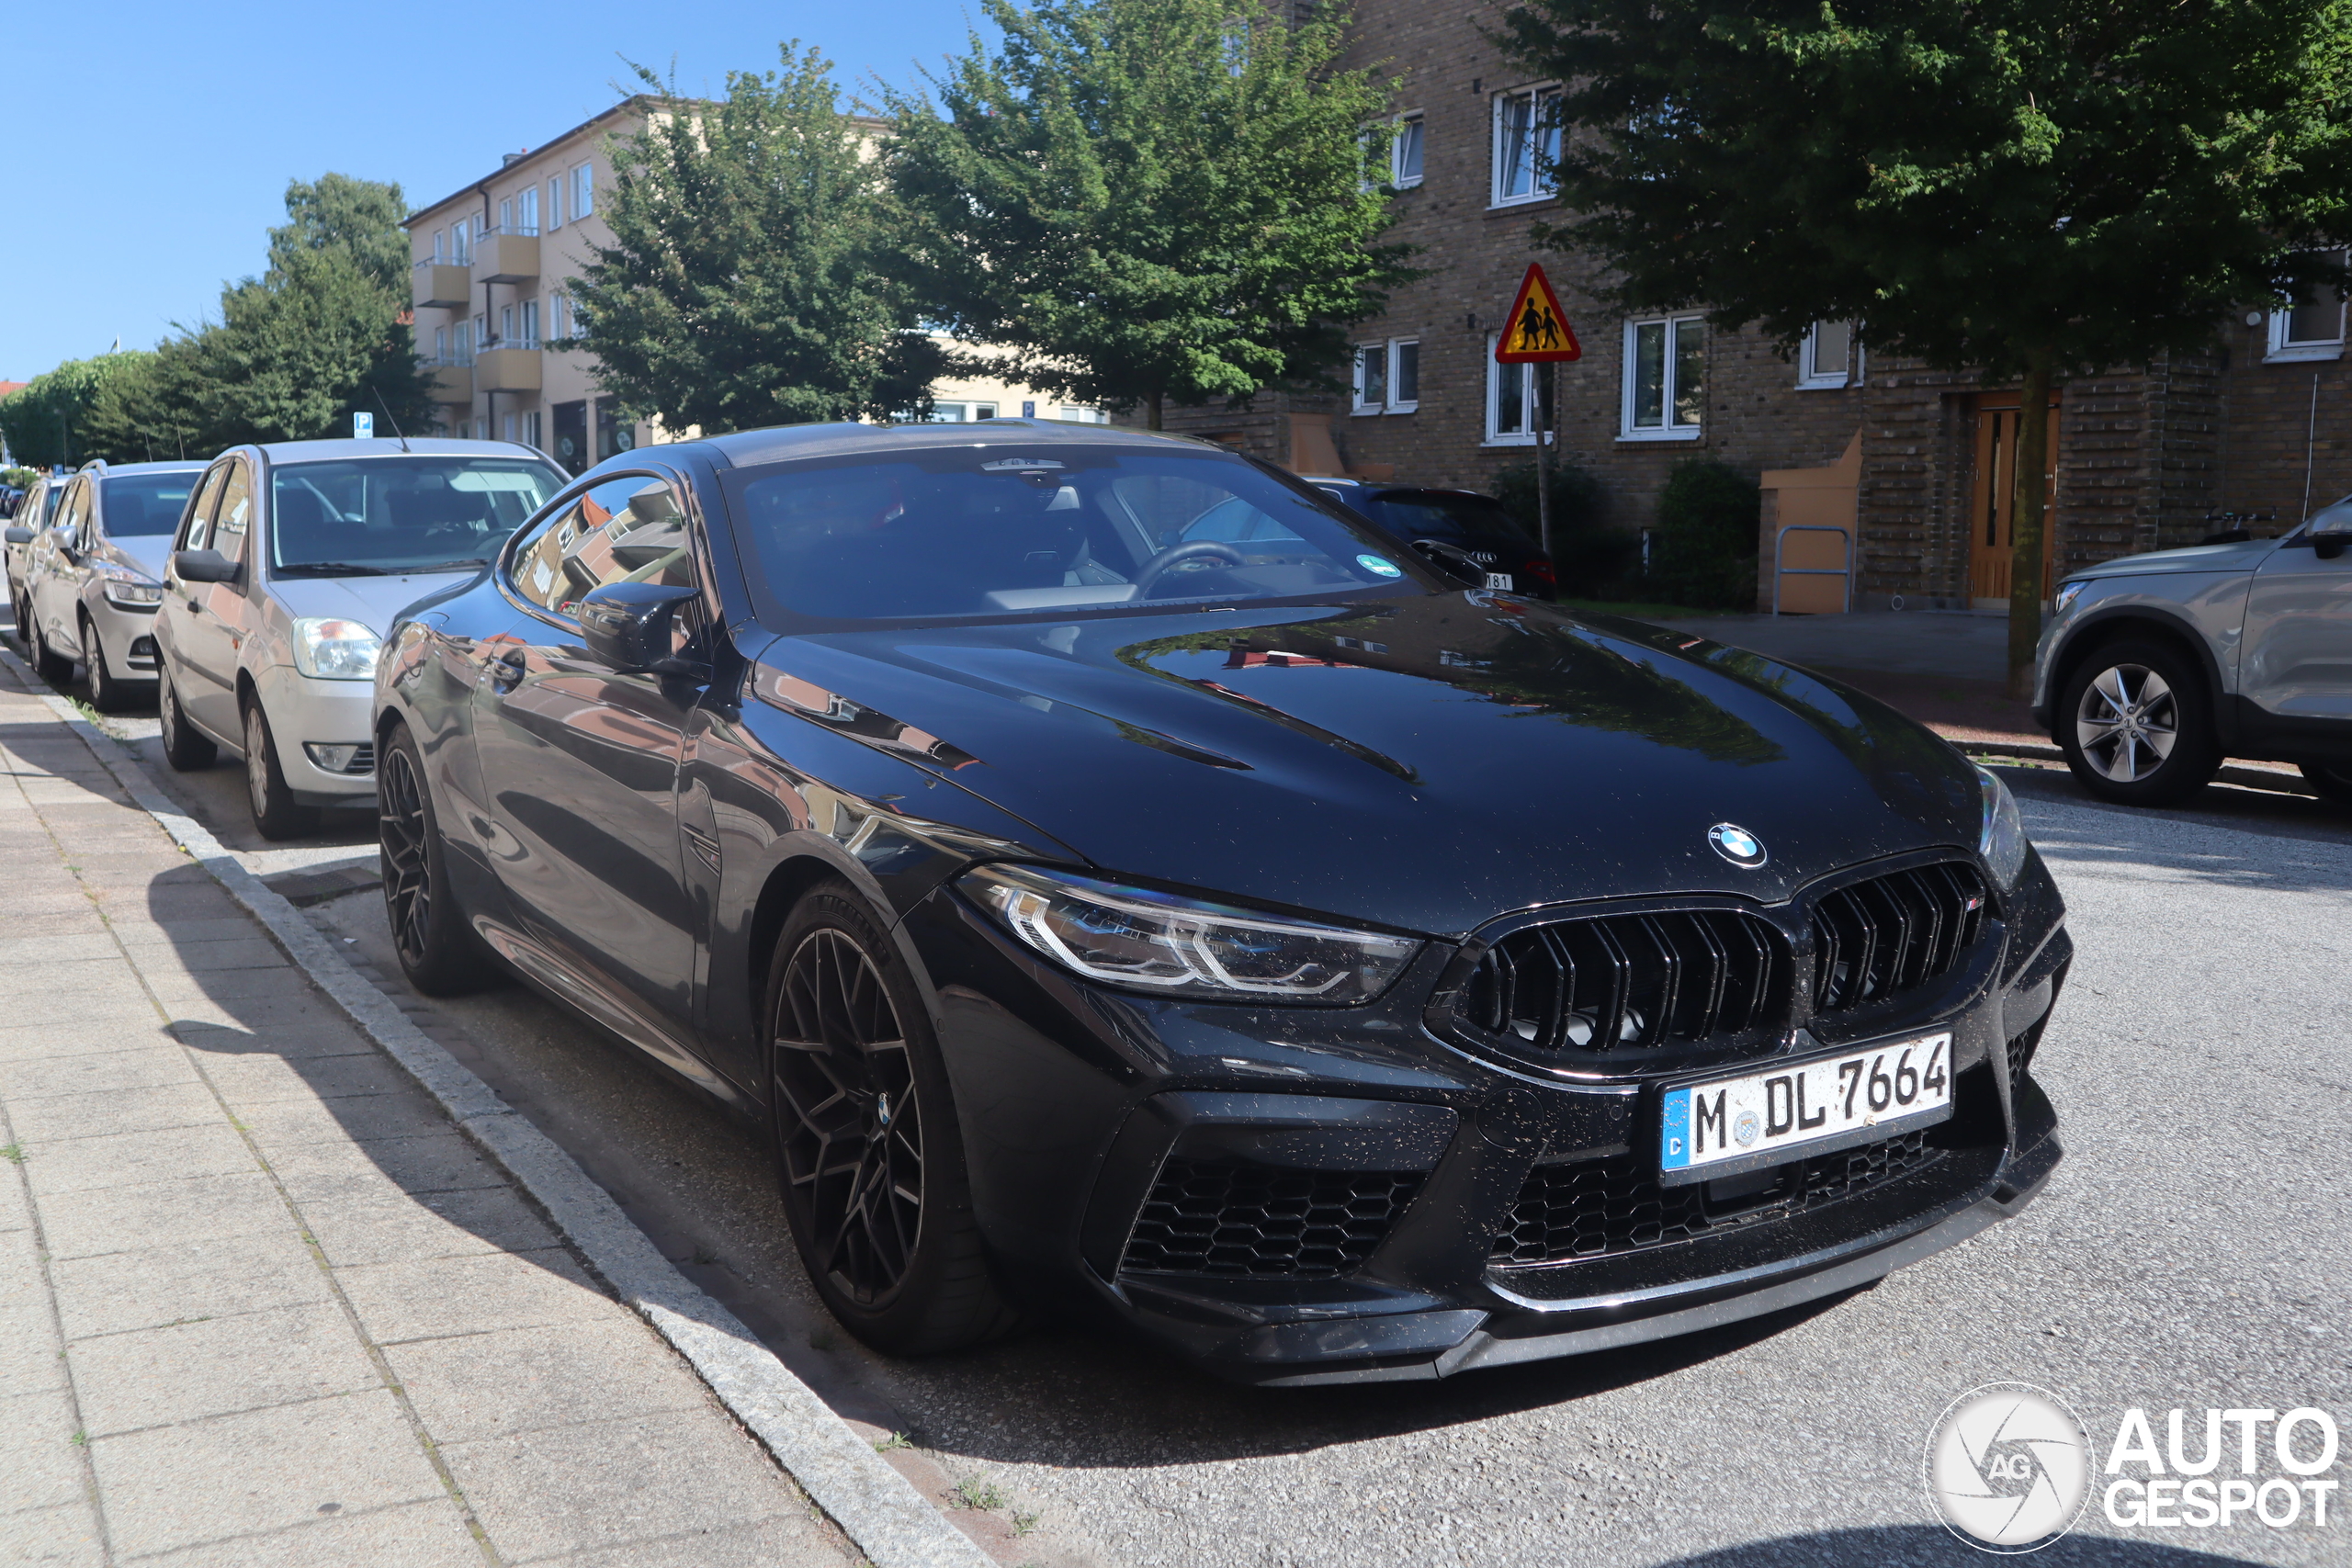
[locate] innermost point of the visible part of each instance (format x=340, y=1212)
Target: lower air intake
x=1239, y=1221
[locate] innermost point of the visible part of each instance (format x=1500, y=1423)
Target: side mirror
x=19, y=535
x=626, y=626
x=203, y=566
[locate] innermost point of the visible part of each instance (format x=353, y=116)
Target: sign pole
x=1536, y=332
x=1543, y=457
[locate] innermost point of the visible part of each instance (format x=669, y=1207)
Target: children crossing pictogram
x=1537, y=330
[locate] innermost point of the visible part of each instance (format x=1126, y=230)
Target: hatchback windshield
x=1452, y=518
x=984, y=532
x=145, y=504
x=369, y=517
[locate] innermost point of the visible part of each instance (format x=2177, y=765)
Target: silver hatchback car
x=289, y=564
x=92, y=579
x=2155, y=667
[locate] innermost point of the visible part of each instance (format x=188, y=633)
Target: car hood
x=376, y=602
x=1427, y=763
x=2242, y=556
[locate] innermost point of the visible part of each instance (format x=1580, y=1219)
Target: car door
x=2295, y=658
x=579, y=761
x=50, y=580
x=210, y=619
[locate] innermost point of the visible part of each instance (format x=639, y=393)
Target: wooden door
x=1997, y=418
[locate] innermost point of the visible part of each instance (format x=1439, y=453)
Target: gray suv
x=2155, y=667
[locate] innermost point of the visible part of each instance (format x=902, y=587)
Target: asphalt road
x=2194, y=1250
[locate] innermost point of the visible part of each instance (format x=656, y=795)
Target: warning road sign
x=1537, y=330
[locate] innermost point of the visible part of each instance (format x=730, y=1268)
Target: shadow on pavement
x=1920, y=1546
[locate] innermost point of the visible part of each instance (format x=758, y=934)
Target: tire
x=271, y=799
x=439, y=951
x=183, y=747
x=861, y=1113
x=2332, y=781
x=2135, y=720
x=48, y=663
x=107, y=694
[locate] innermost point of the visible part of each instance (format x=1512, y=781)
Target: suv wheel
x=2332, y=781
x=107, y=694
x=184, y=749
x=2136, y=725
x=867, y=1146
x=275, y=812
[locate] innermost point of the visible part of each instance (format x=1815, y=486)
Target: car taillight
x=1540, y=568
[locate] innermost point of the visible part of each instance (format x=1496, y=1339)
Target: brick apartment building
x=1914, y=462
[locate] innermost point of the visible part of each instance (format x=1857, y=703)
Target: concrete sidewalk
x=260, y=1302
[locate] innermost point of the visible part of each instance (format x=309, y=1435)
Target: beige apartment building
x=493, y=263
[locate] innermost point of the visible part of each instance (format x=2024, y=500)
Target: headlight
x=2068, y=593
x=2002, y=840
x=125, y=590
x=1145, y=941
x=335, y=651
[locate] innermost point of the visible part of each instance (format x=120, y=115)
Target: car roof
x=392, y=446
x=751, y=448
x=174, y=466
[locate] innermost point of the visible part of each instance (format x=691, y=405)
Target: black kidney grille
x=1629, y=982
x=1874, y=938
x=1253, y=1220
x=1595, y=1208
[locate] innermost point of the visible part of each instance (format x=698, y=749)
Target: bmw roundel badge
x=1736, y=845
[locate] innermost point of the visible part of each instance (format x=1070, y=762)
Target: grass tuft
x=985, y=1495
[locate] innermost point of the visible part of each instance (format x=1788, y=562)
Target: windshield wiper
x=330, y=568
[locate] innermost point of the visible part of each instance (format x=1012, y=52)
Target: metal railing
x=489, y=343
x=1780, y=545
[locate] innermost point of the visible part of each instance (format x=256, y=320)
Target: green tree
x=2032, y=188
x=47, y=423
x=1149, y=201
x=742, y=287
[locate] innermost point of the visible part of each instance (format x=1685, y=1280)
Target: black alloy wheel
x=183, y=747
x=2332, y=781
x=438, y=951
x=107, y=694
x=2136, y=724
x=277, y=814
x=867, y=1153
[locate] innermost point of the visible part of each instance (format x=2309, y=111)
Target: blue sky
x=150, y=144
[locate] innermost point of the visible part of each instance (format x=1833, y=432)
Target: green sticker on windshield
x=1379, y=567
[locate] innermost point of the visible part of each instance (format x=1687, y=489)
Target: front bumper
x=128, y=637
x=305, y=711
x=1293, y=1196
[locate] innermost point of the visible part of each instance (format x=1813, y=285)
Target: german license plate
x=1731, y=1124
x=1501, y=579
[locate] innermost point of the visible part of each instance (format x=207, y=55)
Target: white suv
x=290, y=563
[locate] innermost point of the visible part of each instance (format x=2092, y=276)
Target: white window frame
x=1364, y=402
x=440, y=246
x=1390, y=355
x=461, y=241
x=555, y=202
x=583, y=191
x=1537, y=94
x=2285, y=349
x=1398, y=178
x=1627, y=429
x=530, y=323
x=526, y=209
x=1812, y=377
x=506, y=215
x=1530, y=404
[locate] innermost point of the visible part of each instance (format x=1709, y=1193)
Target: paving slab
x=182, y=1281
x=432, y=1297
x=98, y=1112
x=410, y=1535
x=219, y=1366
x=55, y=1167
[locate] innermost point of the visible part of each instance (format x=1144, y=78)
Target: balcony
x=451, y=379
x=441, y=286
x=507, y=364
x=506, y=256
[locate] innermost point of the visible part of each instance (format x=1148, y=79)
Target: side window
x=198, y=521
x=627, y=529
x=73, y=515
x=235, y=512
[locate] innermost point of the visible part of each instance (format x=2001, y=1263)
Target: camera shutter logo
x=2008, y=1468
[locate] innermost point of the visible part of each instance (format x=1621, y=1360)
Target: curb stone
x=876, y=1508
x=2231, y=772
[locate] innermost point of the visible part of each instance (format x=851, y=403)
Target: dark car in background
x=1114, y=874
x=1470, y=536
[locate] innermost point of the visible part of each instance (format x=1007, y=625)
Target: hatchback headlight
x=125, y=590
x=2001, y=841
x=1140, y=940
x=335, y=651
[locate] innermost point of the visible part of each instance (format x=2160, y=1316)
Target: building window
x=1666, y=364
x=461, y=241
x=2312, y=325
x=961, y=412
x=440, y=246
x=464, y=333
x=506, y=216
x=1079, y=415
x=1514, y=402
x=1388, y=377
x=526, y=211
x=506, y=323
x=583, y=191
x=531, y=431
x=1829, y=356
x=1404, y=153
x=1527, y=144
x=555, y=202
x=530, y=324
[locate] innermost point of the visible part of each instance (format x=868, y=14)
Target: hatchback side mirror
x=626, y=626
x=19, y=535
x=203, y=566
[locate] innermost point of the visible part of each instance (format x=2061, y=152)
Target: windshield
x=145, y=504
x=1451, y=517
x=366, y=516
x=983, y=530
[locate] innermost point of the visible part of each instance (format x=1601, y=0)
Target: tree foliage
x=742, y=286
x=47, y=420
x=322, y=334
x=1147, y=201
